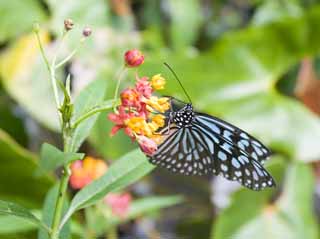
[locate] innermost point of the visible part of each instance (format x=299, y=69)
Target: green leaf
x=142, y=207
x=26, y=79
x=290, y=216
x=273, y=10
x=90, y=97
x=184, y=13
x=20, y=166
x=13, y=225
x=48, y=212
x=122, y=173
x=51, y=157
x=18, y=16
x=9, y=208
x=10, y=122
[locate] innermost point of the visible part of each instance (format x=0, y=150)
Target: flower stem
x=61, y=63
x=59, y=205
x=119, y=76
x=51, y=72
x=90, y=113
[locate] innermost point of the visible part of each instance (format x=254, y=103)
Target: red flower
x=143, y=86
x=120, y=120
x=119, y=203
x=147, y=145
x=133, y=58
x=130, y=98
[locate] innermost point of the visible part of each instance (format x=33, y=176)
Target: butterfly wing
x=237, y=137
x=183, y=153
x=232, y=161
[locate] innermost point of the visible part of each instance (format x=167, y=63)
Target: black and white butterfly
x=200, y=144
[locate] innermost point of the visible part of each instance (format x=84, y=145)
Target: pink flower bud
x=147, y=145
x=86, y=32
x=133, y=58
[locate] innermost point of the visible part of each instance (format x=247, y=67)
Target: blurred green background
x=254, y=63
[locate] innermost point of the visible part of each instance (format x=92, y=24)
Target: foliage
x=231, y=56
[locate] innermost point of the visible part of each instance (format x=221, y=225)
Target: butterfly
x=200, y=144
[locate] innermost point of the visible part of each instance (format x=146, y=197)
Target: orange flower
x=130, y=97
x=84, y=172
x=158, y=82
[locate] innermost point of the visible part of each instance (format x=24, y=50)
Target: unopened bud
x=86, y=32
x=133, y=58
x=36, y=27
x=68, y=24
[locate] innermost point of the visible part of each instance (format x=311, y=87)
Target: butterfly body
x=201, y=144
x=184, y=117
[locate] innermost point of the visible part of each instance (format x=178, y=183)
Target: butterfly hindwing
x=184, y=154
x=232, y=163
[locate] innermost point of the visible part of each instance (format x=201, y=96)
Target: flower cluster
x=140, y=113
x=85, y=171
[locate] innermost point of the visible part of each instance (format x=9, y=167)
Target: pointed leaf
x=51, y=157
x=88, y=98
x=14, y=225
x=122, y=173
x=18, y=16
x=13, y=209
x=20, y=165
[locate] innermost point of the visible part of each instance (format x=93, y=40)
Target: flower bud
x=68, y=24
x=86, y=32
x=133, y=58
x=147, y=145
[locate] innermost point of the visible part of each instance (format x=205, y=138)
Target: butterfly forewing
x=236, y=136
x=211, y=146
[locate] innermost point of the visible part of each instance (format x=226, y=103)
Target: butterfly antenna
x=175, y=75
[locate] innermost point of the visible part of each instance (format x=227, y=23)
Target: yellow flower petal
x=158, y=82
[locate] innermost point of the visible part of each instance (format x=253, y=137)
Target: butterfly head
x=183, y=117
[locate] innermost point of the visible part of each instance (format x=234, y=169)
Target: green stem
x=61, y=63
x=51, y=72
x=42, y=51
x=62, y=188
x=122, y=71
x=89, y=114
x=60, y=201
